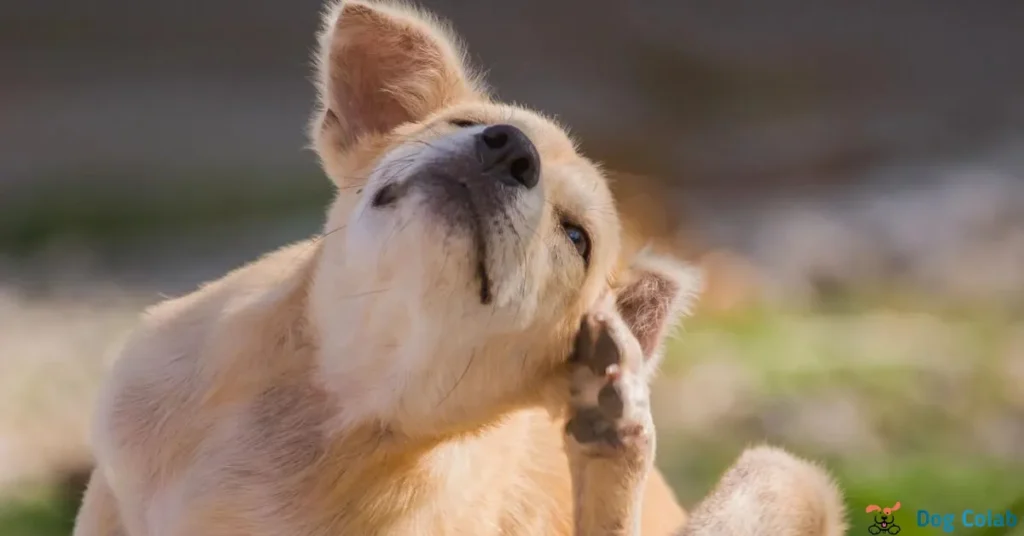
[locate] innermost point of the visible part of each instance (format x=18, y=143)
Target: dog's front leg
x=610, y=436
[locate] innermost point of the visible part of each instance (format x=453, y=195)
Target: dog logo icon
x=885, y=520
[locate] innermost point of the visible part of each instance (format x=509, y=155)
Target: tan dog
x=421, y=367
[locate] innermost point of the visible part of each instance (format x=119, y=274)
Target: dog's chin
x=491, y=272
x=477, y=236
x=449, y=251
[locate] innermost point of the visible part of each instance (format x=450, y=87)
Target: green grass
x=41, y=513
x=935, y=406
x=927, y=484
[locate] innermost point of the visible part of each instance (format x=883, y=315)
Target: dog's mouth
x=485, y=283
x=479, y=239
x=460, y=210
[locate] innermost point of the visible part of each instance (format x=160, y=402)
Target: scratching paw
x=609, y=403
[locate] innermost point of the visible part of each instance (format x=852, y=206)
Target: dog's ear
x=895, y=506
x=872, y=508
x=656, y=291
x=380, y=65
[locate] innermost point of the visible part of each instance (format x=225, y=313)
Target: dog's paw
x=609, y=397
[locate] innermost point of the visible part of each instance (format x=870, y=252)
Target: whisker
x=469, y=363
x=364, y=294
x=328, y=233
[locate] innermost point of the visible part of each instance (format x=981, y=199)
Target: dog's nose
x=508, y=152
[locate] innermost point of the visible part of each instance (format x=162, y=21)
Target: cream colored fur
x=366, y=382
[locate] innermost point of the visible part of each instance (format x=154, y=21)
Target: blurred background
x=849, y=174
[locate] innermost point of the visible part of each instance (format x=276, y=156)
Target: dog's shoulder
x=192, y=357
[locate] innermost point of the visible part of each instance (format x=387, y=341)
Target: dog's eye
x=579, y=238
x=462, y=123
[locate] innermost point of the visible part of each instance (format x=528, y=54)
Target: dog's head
x=884, y=515
x=468, y=236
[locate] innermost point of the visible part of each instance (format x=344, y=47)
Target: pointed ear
x=380, y=65
x=656, y=293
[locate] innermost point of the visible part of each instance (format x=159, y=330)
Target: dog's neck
x=396, y=480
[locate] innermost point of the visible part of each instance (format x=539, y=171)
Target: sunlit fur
x=356, y=383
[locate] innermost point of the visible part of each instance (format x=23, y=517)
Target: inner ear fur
x=382, y=64
x=655, y=292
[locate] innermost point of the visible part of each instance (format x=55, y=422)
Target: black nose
x=506, y=151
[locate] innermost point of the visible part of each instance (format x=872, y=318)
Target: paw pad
x=609, y=404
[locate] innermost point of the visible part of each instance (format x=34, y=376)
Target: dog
x=885, y=520
x=463, y=350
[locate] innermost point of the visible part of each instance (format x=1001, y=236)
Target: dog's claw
x=609, y=408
